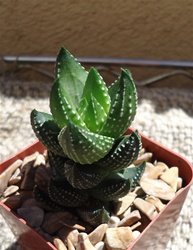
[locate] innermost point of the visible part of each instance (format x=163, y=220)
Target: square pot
x=155, y=236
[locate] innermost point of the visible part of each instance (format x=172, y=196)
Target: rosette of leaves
x=88, y=153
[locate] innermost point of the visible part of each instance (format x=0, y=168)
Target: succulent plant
x=88, y=153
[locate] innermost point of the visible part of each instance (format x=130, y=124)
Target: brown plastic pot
x=155, y=236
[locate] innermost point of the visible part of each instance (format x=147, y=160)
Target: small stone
x=144, y=222
x=130, y=219
x=6, y=175
x=70, y=245
x=53, y=222
x=68, y=233
x=142, y=151
x=179, y=183
x=75, y=223
x=42, y=177
x=153, y=172
x=156, y=202
x=157, y=188
x=15, y=180
x=98, y=234
x=146, y=208
x=100, y=246
x=28, y=181
x=144, y=157
x=139, y=191
x=48, y=237
x=31, y=202
x=136, y=234
x=13, y=201
x=29, y=160
x=123, y=203
x=171, y=177
x=84, y=242
x=43, y=234
x=25, y=195
x=32, y=215
x=39, y=161
x=10, y=190
x=118, y=238
x=45, y=154
x=160, y=163
x=126, y=213
x=113, y=221
x=136, y=225
x=149, y=165
x=59, y=244
x=16, y=177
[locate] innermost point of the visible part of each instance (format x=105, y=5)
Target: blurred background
x=156, y=30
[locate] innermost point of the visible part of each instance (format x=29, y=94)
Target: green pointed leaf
x=43, y=197
x=71, y=74
x=123, y=106
x=94, y=115
x=62, y=106
x=56, y=163
x=83, y=176
x=96, y=87
x=111, y=188
x=95, y=216
x=82, y=108
x=124, y=152
x=83, y=146
x=64, y=194
x=46, y=130
x=134, y=174
x=113, y=88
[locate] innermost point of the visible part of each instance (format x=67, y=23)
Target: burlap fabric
x=164, y=114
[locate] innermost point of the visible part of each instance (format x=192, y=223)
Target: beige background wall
x=110, y=28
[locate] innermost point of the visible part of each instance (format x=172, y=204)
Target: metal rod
x=104, y=61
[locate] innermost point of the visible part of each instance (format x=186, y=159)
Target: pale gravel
x=165, y=115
